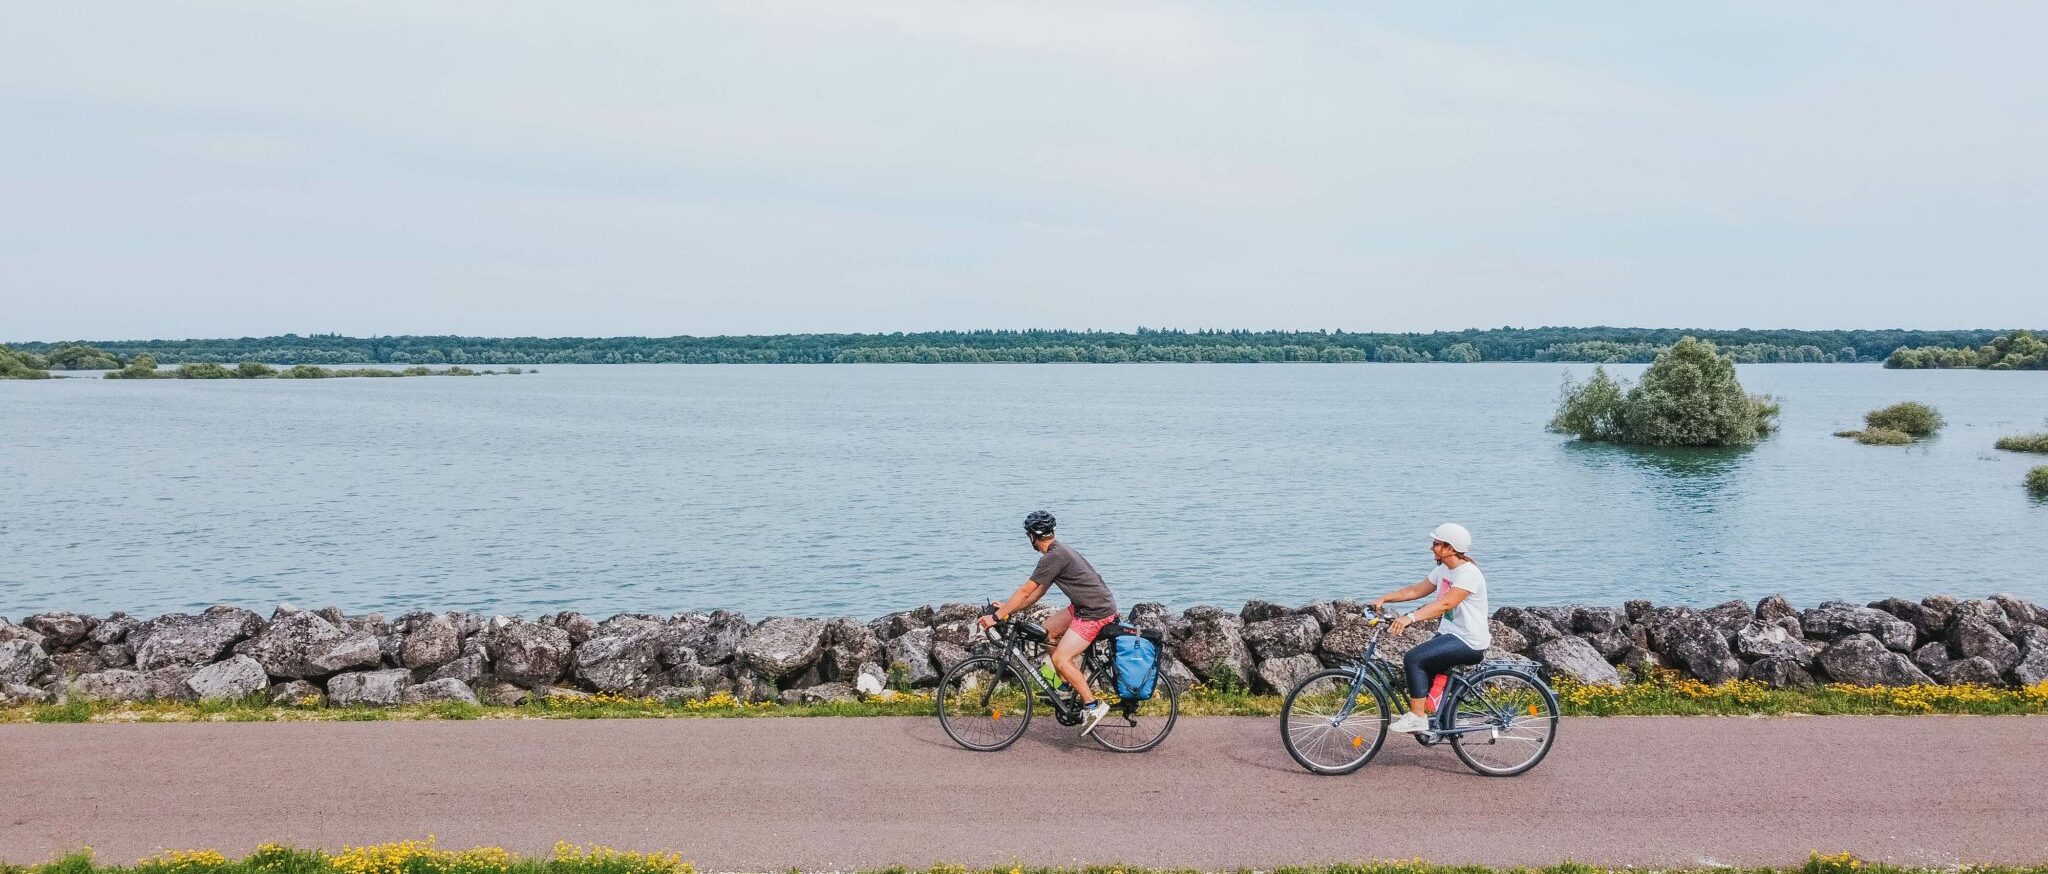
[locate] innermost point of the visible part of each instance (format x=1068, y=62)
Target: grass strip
x=424, y=857
x=1662, y=694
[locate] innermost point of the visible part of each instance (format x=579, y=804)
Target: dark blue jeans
x=1435, y=656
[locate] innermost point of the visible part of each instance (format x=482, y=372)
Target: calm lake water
x=860, y=489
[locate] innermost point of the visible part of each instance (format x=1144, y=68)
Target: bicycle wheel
x=1133, y=726
x=983, y=704
x=1518, y=714
x=1328, y=730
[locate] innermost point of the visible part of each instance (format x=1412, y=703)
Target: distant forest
x=1609, y=345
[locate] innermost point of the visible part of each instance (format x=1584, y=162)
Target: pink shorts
x=1086, y=628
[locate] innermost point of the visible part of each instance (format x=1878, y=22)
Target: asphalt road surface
x=822, y=794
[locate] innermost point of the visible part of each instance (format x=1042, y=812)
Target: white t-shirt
x=1467, y=621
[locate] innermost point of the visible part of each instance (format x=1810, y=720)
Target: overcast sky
x=754, y=166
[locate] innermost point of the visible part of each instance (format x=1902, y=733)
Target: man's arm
x=1025, y=596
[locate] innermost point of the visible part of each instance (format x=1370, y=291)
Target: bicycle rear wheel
x=983, y=704
x=1133, y=726
x=1327, y=729
x=1517, y=715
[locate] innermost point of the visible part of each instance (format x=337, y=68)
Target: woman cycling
x=1463, y=636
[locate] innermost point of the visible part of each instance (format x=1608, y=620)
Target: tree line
x=2019, y=350
x=1599, y=344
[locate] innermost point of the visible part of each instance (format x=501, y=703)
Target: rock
x=579, y=627
x=674, y=647
x=1610, y=644
x=111, y=630
x=446, y=689
x=1346, y=642
x=870, y=680
x=1972, y=671
x=962, y=634
x=957, y=612
x=503, y=694
x=180, y=640
x=621, y=659
x=168, y=684
x=1864, y=660
x=1911, y=614
x=827, y=693
x=853, y=646
x=1282, y=636
x=782, y=646
x=1593, y=620
x=430, y=642
x=1323, y=612
x=1728, y=616
x=1577, y=659
x=526, y=653
x=945, y=655
x=1640, y=661
x=73, y=662
x=1175, y=674
x=237, y=677
x=1532, y=626
x=1757, y=639
x=2020, y=611
x=1935, y=612
x=1279, y=675
x=911, y=654
x=720, y=637
x=373, y=688
x=22, y=661
x=1932, y=659
x=294, y=693
x=1779, y=673
x=17, y=693
x=300, y=645
x=112, y=685
x=1637, y=610
x=10, y=631
x=1971, y=637
x=117, y=655
x=751, y=687
x=1261, y=611
x=470, y=670
x=2033, y=666
x=1214, y=648
x=1506, y=639
x=563, y=693
x=1690, y=642
x=1835, y=620
x=1774, y=608
x=678, y=694
x=1989, y=611
x=902, y=622
x=60, y=629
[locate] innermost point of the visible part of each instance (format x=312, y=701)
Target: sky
x=206, y=169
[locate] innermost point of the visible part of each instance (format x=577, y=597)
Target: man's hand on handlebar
x=989, y=615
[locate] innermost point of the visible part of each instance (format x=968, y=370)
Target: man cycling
x=1463, y=636
x=1068, y=632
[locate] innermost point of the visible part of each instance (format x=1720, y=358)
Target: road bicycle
x=984, y=703
x=1499, y=716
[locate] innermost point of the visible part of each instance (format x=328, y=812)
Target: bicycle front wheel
x=983, y=704
x=1510, y=722
x=1328, y=727
x=1133, y=726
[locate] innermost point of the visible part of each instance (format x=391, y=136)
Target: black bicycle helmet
x=1039, y=524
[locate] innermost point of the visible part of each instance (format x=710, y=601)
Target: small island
x=28, y=365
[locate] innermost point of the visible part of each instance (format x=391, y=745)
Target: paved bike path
x=768, y=794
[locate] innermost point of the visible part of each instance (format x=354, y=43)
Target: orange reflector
x=1532, y=710
x=999, y=714
x=1357, y=741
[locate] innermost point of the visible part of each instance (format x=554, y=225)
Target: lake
x=859, y=489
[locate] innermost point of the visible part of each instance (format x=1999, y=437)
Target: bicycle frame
x=1371, y=670
x=1013, y=652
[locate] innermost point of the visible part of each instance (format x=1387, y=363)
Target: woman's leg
x=1435, y=656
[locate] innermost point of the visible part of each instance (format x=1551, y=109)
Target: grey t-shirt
x=1063, y=567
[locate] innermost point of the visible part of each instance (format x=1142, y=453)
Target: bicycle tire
x=972, y=708
x=1544, y=717
x=1163, y=708
x=1303, y=727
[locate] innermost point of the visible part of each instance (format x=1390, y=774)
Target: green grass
x=1661, y=695
x=423, y=857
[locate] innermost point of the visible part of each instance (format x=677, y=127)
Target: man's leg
x=1066, y=660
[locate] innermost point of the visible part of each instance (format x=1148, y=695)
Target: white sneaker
x=1409, y=723
x=1091, y=715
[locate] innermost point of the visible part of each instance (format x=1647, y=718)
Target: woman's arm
x=1452, y=597
x=1405, y=593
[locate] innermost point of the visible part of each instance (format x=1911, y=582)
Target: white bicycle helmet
x=1453, y=535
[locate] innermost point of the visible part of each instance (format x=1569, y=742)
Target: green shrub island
x=2037, y=481
x=143, y=366
x=2019, y=350
x=1689, y=397
x=81, y=357
x=2025, y=443
x=22, y=365
x=1897, y=425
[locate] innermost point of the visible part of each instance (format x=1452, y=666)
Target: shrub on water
x=1689, y=397
x=1878, y=437
x=202, y=370
x=21, y=365
x=1910, y=417
x=2037, y=481
x=2024, y=443
x=305, y=371
x=254, y=370
x=77, y=357
x=142, y=366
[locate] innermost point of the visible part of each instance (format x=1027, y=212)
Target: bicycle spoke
x=1509, y=722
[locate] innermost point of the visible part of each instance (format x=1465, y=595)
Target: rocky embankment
x=301, y=656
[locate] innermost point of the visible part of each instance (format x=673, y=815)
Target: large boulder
x=1911, y=613
x=622, y=659
x=373, y=688
x=181, y=640
x=782, y=646
x=902, y=622
x=1506, y=639
x=168, y=684
x=430, y=641
x=1864, y=660
x=1779, y=673
x=1835, y=620
x=1279, y=675
x=1577, y=659
x=60, y=629
x=1175, y=674
x=1987, y=611
x=1529, y=623
x=446, y=689
x=22, y=661
x=1593, y=620
x=111, y=685
x=301, y=645
x=1932, y=659
x=1610, y=644
x=1213, y=647
x=1970, y=671
x=1972, y=637
x=946, y=654
x=2033, y=666
x=79, y=660
x=1935, y=613
x=1728, y=616
x=1283, y=636
x=293, y=693
x=111, y=630
x=719, y=638
x=579, y=627
x=910, y=656
x=1150, y=616
x=1259, y=611
x=851, y=646
x=1757, y=639
x=2021, y=611
x=468, y=669
x=1774, y=608
x=1690, y=642
x=17, y=693
x=526, y=653
x=237, y=677
x=676, y=634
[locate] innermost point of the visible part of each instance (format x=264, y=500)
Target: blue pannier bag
x=1137, y=663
